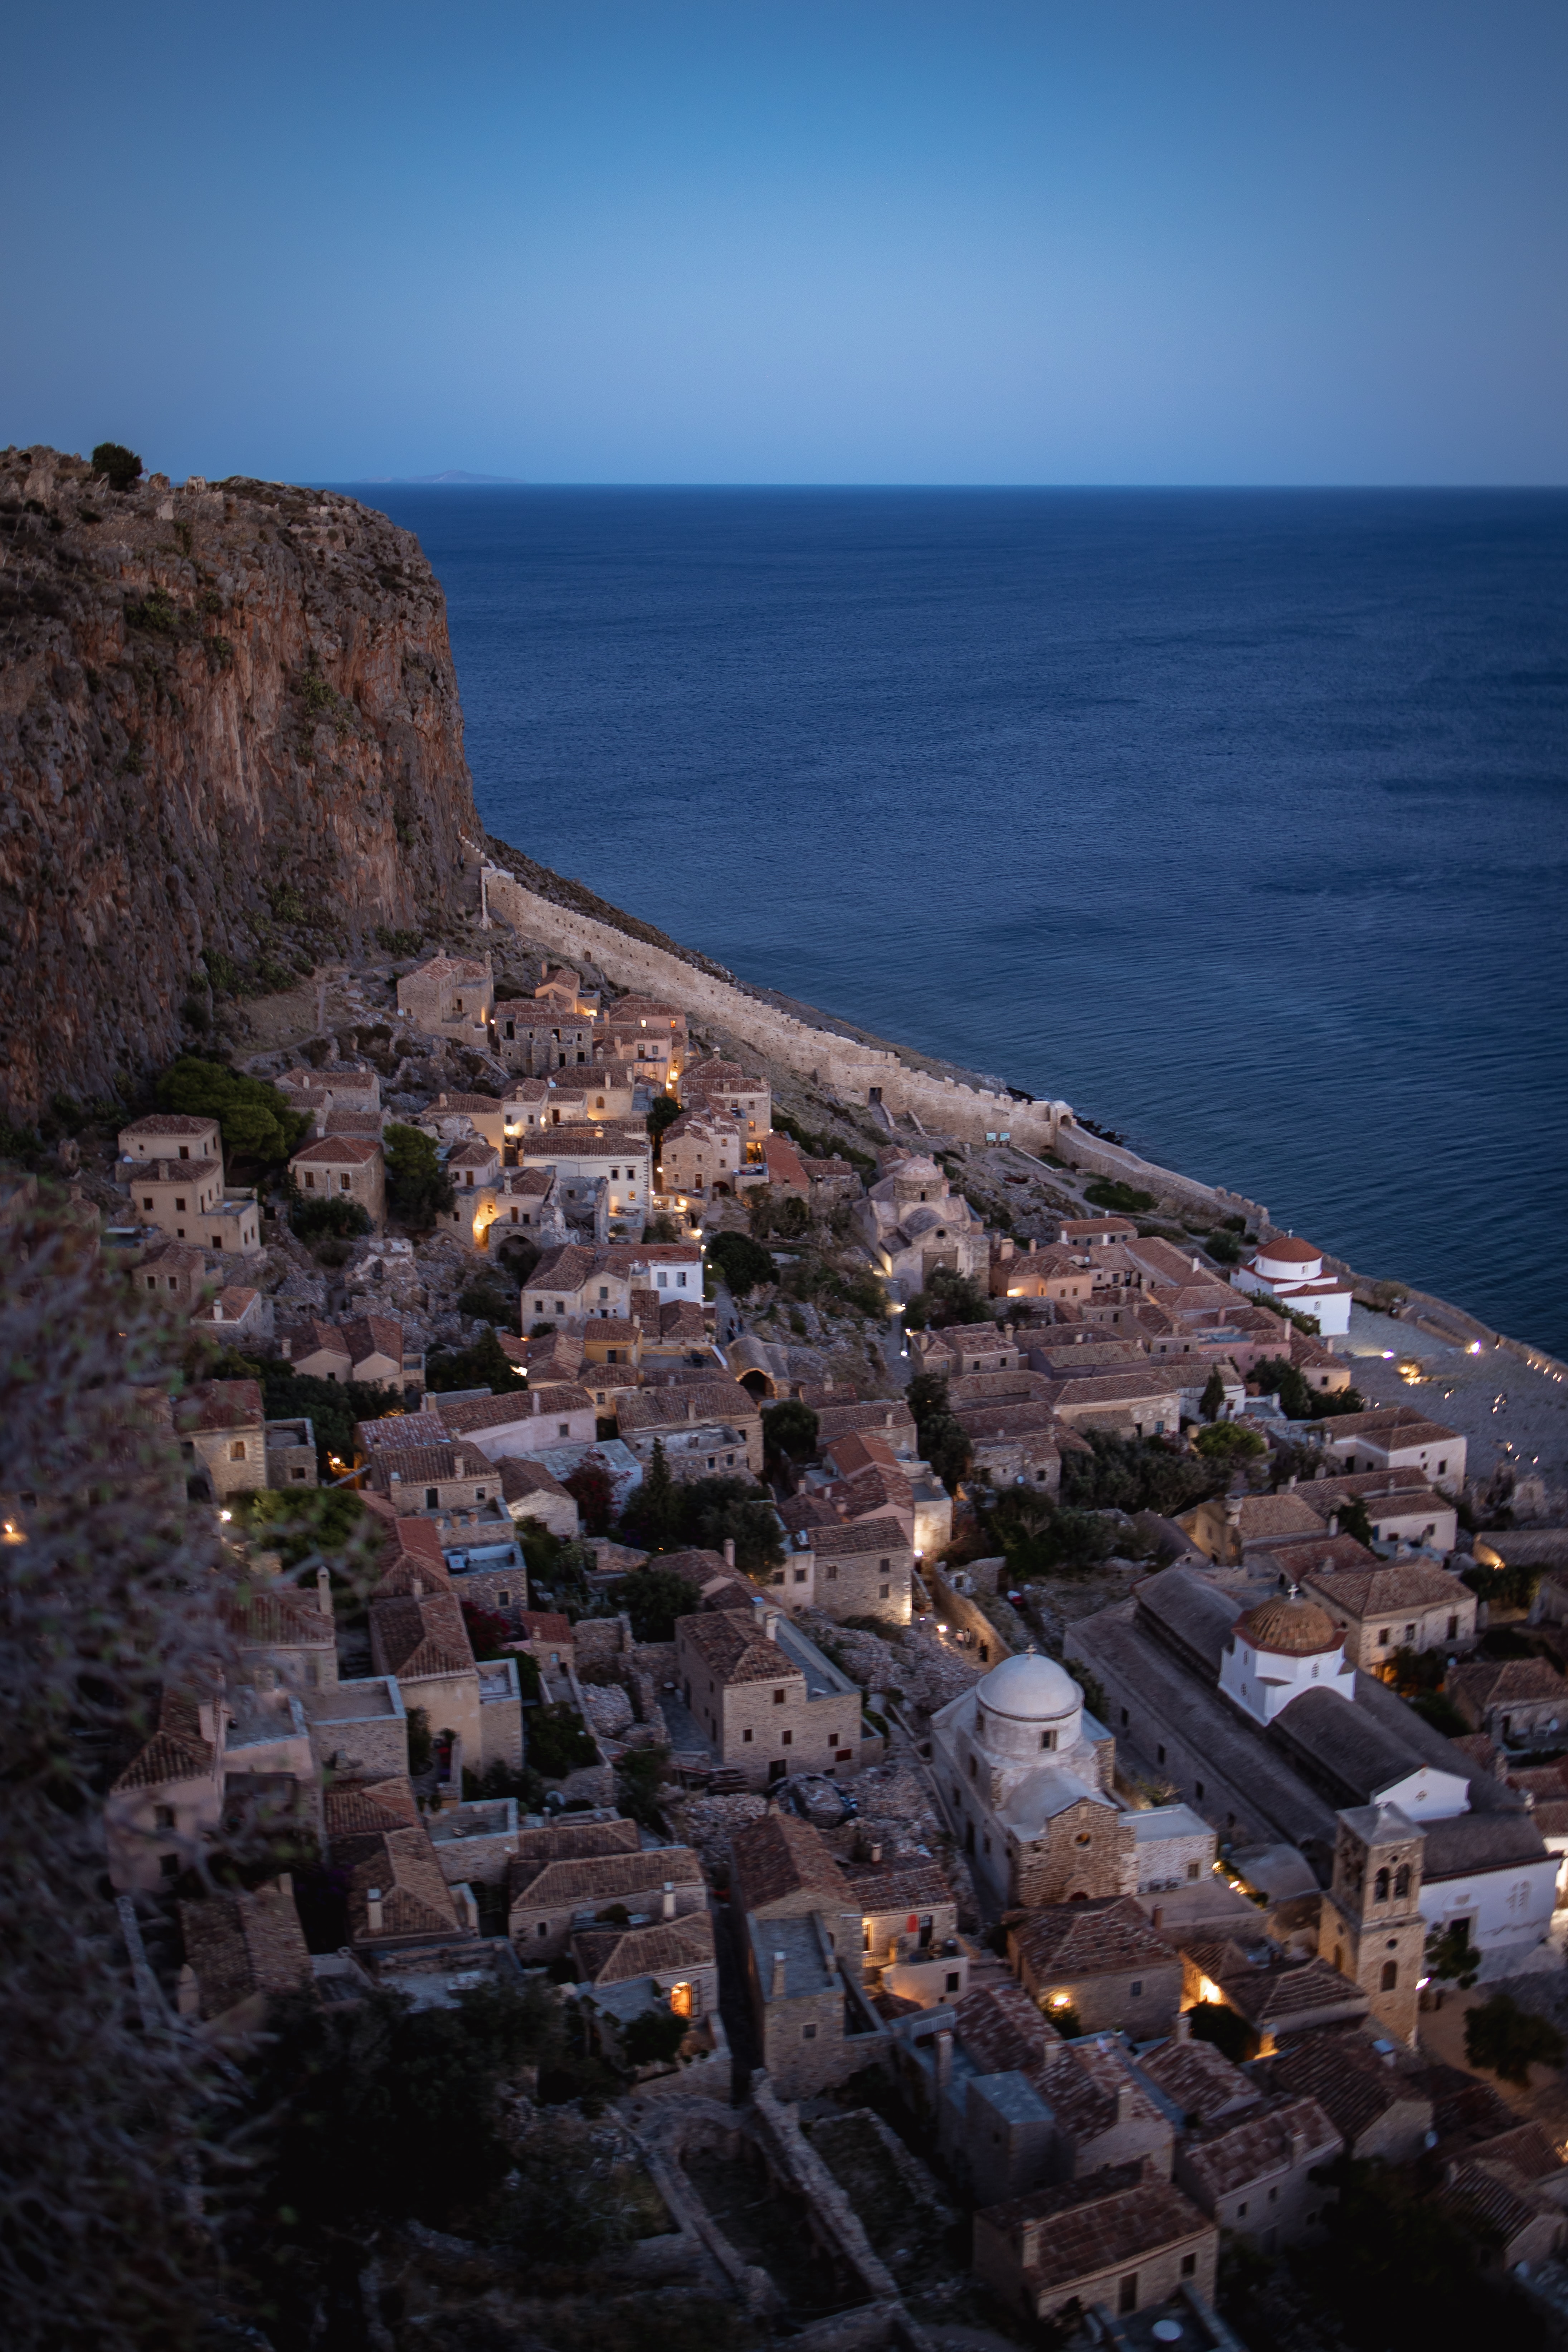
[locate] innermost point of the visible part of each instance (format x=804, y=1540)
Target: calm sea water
x=1239, y=819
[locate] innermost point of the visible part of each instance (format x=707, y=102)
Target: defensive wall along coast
x=856, y=1073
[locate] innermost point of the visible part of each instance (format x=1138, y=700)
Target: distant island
x=452, y=473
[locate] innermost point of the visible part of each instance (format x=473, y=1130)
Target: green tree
x=654, y=1598
x=1135, y=1474
x=1451, y=1956
x=1353, y=1519
x=1214, y=2022
x=662, y=1229
x=741, y=1261
x=654, y=2037
x=1507, y=2041
x=312, y=1215
x=332, y=1407
x=746, y=1519
x=485, y=1365
x=254, y=1120
x=1211, y=1404
x=663, y=1112
x=593, y=1490
x=418, y=1189
x=789, y=1432
x=651, y=1516
x=557, y=1741
x=1278, y=1375
x=1226, y=1440
x=121, y=466
x=948, y=1298
x=641, y=1775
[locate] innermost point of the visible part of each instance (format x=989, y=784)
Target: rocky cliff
x=229, y=733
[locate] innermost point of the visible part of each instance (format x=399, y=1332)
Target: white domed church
x=1027, y=1773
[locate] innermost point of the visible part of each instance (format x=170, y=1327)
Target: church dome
x=1289, y=1629
x=1030, y=1689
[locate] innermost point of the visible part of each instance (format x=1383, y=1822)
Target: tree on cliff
x=418, y=1188
x=254, y=1120
x=741, y=1262
x=121, y=466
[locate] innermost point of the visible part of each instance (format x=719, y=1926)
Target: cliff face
x=229, y=730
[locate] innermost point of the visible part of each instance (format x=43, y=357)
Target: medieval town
x=1011, y=1727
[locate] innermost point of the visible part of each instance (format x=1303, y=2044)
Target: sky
x=1118, y=241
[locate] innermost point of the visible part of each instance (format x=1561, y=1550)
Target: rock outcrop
x=229, y=724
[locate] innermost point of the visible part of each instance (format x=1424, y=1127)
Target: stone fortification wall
x=841, y=1064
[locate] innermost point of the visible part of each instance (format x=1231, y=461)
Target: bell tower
x=1372, y=1929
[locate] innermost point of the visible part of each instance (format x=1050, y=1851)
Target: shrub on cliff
x=741, y=1262
x=121, y=466
x=253, y=1119
x=312, y=1217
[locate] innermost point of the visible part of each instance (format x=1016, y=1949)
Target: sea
x=1238, y=819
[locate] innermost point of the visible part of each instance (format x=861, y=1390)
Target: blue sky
x=770, y=240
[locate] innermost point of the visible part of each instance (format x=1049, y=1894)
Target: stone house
x=174, y=1137
x=236, y=1314
x=1382, y=1606
x=291, y=1448
x=593, y=1162
x=1400, y=1506
x=346, y=1167
x=579, y=1281
x=1378, y=2109
x=798, y=1997
x=1517, y=1702
x=1062, y=1277
x=427, y=1477
x=449, y=996
x=757, y=1705
x=889, y=1419
x=674, y=1412
x=1121, y=2238
x=539, y=1034
x=1398, y=1438
x=785, y=1170
x=168, y=1801
x=588, y=1097
x=1102, y=1233
x=700, y=1154
x=242, y=1948
x=366, y=1347
x=727, y=1088
x=781, y=1867
x=863, y=1568
x=421, y=1640
x=530, y=1491
x=522, y=1421
x=1101, y=1960
x=907, y=1915
x=290, y=1633
x=188, y=1200
x=1133, y=1404
x=336, y=1085
x=360, y=1727
x=174, y=1272
x=1019, y=1444
x=1512, y=2189
x=967, y=1349
x=640, y=1030
x=549, y=1900
x=222, y=1431
x=547, y=1638
x=1253, y=2172
x=676, y=1960
x=396, y=1894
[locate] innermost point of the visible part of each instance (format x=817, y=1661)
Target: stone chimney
x=372, y=1909
x=1334, y=1526
x=324, y=1592
x=944, y=2059
x=875, y=1850
x=690, y=1409
x=455, y=1767
x=770, y=1624
x=729, y=1551
x=1124, y=2103
x=285, y=1884
x=189, y=1997
x=1004, y=1249
x=1291, y=1483
x=1181, y=2030
x=781, y=1972
x=667, y=1906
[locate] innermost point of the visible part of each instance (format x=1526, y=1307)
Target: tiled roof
x=421, y=1465
x=1470, y=1841
x=221, y=1404
x=551, y=1841
x=695, y=1401
x=374, y=1335
x=736, y=1650
x=856, y=1537
x=1002, y=2032
x=614, y=1955
x=240, y=1944
x=1511, y=1680
x=1345, y=2076
x=515, y=1405
x=281, y=1617
x=355, y=1809
x=1378, y=1589
x=399, y=1432
x=169, y=1122
x=1399, y=1423
x=899, y=1887
x=1478, y=2194
x=575, y=1881
x=1199, y=2080
x=780, y=1855
x=475, y=1153
x=415, y=1897
x=418, y=1635
x=566, y=1267
x=1227, y=2157
x=176, y=1750
x=1078, y=1939
x=1117, y=1388
x=448, y=967
x=1108, y=2220
x=1272, y=1995
x=520, y=1478
x=836, y=1421
x=339, y=1152
x=545, y=1625
x=482, y=1104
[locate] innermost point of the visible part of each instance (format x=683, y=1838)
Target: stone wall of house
x=229, y=724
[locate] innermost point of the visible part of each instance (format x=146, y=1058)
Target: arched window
x=1379, y=1887
x=1391, y=1975
x=1402, y=1881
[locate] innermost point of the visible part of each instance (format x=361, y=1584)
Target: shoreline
x=870, y=1072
